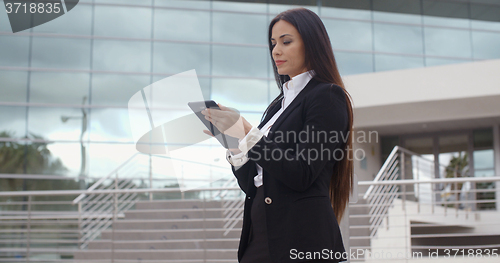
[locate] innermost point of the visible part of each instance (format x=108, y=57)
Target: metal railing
x=29, y=241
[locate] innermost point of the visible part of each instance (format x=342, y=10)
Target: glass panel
x=78, y=21
x=247, y=6
x=61, y=53
x=389, y=62
x=4, y=22
x=55, y=158
x=446, y=21
x=116, y=89
x=173, y=58
x=117, y=55
x=198, y=4
x=278, y=6
x=442, y=13
x=242, y=94
x=56, y=123
x=350, y=63
x=60, y=87
x=398, y=38
x=447, y=42
x=239, y=28
x=484, y=159
x=111, y=125
x=143, y=2
x=104, y=158
x=349, y=35
x=195, y=25
x=420, y=145
x=357, y=9
x=240, y=61
x=14, y=51
x=395, y=11
x=483, y=138
x=486, y=44
x=453, y=155
x=429, y=62
x=485, y=16
x=14, y=86
x=118, y=21
x=12, y=121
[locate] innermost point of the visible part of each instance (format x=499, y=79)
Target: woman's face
x=288, y=49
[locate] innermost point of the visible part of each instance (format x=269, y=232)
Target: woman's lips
x=279, y=62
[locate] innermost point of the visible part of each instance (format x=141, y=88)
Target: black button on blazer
x=300, y=217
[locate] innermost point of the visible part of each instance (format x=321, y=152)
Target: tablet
x=225, y=140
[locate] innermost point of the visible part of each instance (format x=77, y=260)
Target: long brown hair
x=319, y=57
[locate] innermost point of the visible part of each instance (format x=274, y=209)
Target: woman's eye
x=286, y=43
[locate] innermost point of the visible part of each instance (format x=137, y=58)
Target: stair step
x=155, y=254
x=168, y=234
x=218, y=243
x=166, y=214
x=174, y=204
x=173, y=223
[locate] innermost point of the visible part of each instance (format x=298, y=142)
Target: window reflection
x=390, y=62
x=486, y=44
x=78, y=21
x=242, y=94
x=63, y=53
x=116, y=55
x=198, y=4
x=116, y=89
x=14, y=86
x=55, y=123
x=63, y=159
x=484, y=159
x=59, y=87
x=173, y=58
x=249, y=6
x=445, y=13
x=350, y=63
x=239, y=28
x=349, y=35
x=240, y=61
x=118, y=21
x=14, y=51
x=398, y=38
x=110, y=125
x=443, y=42
x=430, y=61
x=12, y=121
x=195, y=25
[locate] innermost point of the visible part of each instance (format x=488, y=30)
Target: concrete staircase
x=359, y=224
x=167, y=231
x=186, y=231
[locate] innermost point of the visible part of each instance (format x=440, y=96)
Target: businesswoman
x=296, y=167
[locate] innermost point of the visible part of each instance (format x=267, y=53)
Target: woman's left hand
x=228, y=121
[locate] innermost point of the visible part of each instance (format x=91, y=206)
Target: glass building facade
x=65, y=84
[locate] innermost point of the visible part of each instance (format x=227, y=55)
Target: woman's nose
x=276, y=51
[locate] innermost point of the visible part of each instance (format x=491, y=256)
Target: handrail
x=98, y=183
x=174, y=190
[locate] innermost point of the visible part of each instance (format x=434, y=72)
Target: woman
x=295, y=167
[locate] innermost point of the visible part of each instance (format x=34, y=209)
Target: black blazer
x=299, y=214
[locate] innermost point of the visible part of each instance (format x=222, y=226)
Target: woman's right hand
x=233, y=150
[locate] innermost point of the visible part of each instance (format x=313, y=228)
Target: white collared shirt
x=290, y=90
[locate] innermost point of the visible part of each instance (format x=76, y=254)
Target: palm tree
x=457, y=167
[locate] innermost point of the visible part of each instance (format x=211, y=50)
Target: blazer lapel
x=275, y=108
x=295, y=103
